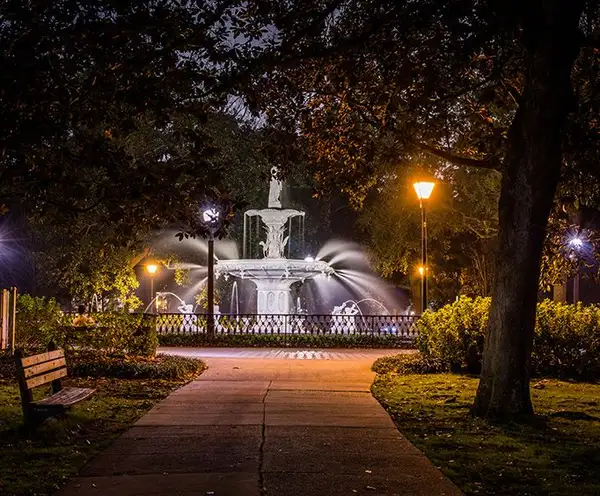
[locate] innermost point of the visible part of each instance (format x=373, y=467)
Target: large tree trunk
x=529, y=178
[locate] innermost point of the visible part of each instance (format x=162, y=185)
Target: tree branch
x=488, y=163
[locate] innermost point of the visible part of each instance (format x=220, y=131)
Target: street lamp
x=423, y=190
x=211, y=219
x=578, y=245
x=152, y=268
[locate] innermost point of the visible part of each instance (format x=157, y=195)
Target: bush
x=114, y=333
x=162, y=367
x=285, y=340
x=453, y=336
x=39, y=321
x=406, y=364
x=566, y=342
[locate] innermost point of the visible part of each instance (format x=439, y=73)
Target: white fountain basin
x=273, y=278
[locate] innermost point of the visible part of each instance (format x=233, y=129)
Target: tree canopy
x=81, y=81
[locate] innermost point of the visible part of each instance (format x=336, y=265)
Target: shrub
x=162, y=367
x=406, y=364
x=39, y=321
x=566, y=342
x=285, y=340
x=453, y=336
x=114, y=333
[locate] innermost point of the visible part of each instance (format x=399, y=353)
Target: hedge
x=285, y=340
x=93, y=364
x=566, y=342
x=40, y=320
x=161, y=367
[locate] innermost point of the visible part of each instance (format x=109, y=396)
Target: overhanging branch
x=491, y=162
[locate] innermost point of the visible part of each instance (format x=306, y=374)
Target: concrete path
x=254, y=426
x=285, y=353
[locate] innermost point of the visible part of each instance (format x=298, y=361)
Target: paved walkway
x=285, y=353
x=255, y=426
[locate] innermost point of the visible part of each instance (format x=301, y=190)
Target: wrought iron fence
x=400, y=326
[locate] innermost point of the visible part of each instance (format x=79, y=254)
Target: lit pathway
x=259, y=426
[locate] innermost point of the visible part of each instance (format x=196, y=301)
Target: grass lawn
x=61, y=448
x=555, y=453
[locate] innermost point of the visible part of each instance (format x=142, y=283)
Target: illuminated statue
x=274, y=247
x=275, y=188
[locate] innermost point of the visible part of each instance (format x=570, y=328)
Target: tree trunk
x=530, y=175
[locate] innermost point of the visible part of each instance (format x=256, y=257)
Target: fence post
x=13, y=321
x=4, y=317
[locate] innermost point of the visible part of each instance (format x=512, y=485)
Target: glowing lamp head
x=424, y=189
x=309, y=259
x=421, y=270
x=152, y=268
x=576, y=242
x=210, y=215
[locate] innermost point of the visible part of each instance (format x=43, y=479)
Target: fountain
x=274, y=274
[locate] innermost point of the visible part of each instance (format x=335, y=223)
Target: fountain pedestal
x=273, y=297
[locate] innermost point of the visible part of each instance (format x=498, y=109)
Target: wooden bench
x=37, y=370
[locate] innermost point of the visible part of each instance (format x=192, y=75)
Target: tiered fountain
x=273, y=274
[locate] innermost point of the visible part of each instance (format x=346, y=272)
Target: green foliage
x=566, y=343
x=462, y=225
x=201, y=298
x=163, y=367
x=115, y=334
x=567, y=340
x=453, y=335
x=406, y=363
x=39, y=321
x=81, y=124
x=284, y=340
x=86, y=264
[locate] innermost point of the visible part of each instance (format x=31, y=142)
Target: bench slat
x=42, y=357
x=44, y=367
x=66, y=397
x=43, y=379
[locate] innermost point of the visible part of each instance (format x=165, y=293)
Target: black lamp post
x=577, y=244
x=152, y=268
x=423, y=190
x=211, y=218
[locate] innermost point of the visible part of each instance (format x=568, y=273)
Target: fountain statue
x=274, y=247
x=275, y=189
x=274, y=273
x=344, y=317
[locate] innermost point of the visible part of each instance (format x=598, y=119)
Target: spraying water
x=235, y=303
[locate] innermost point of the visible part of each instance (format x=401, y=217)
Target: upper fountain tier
x=275, y=218
x=273, y=274
x=276, y=222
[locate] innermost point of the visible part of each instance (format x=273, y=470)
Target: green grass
x=60, y=448
x=555, y=453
